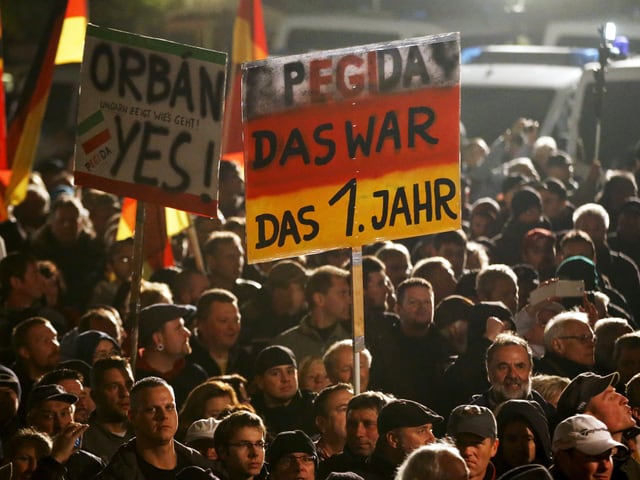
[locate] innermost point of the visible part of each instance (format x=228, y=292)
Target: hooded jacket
x=533, y=415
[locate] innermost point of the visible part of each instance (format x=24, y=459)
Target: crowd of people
x=506, y=349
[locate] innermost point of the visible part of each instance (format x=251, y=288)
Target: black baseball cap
x=44, y=393
x=575, y=397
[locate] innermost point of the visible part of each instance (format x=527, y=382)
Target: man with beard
x=153, y=452
x=509, y=368
x=109, y=428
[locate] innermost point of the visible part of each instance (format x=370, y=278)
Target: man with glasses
x=292, y=456
x=239, y=441
x=569, y=344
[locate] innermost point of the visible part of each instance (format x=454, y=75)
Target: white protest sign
x=150, y=119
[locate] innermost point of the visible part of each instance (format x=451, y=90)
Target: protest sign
x=351, y=146
x=150, y=120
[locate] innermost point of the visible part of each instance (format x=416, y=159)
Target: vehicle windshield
x=485, y=111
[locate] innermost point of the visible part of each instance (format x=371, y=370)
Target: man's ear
x=14, y=281
x=320, y=423
x=157, y=338
x=212, y=454
x=318, y=299
x=494, y=447
x=557, y=345
x=23, y=352
x=392, y=439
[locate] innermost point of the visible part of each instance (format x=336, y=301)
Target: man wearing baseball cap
x=164, y=340
x=292, y=456
x=595, y=395
x=50, y=409
x=403, y=426
x=474, y=431
x=583, y=448
x=279, y=400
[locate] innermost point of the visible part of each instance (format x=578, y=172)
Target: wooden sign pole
x=136, y=282
x=357, y=310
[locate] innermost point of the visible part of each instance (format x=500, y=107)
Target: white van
x=620, y=122
x=494, y=95
x=301, y=33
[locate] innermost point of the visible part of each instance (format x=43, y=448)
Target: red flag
x=24, y=131
x=249, y=43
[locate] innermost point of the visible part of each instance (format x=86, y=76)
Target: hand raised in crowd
x=65, y=443
x=494, y=326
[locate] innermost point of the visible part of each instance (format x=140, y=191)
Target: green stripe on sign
x=90, y=122
x=156, y=44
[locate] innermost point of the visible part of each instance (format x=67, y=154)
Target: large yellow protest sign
x=351, y=146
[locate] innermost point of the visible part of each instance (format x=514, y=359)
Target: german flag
x=71, y=43
x=161, y=223
x=24, y=131
x=249, y=43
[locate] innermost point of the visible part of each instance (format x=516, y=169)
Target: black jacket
x=124, y=464
x=298, y=415
x=81, y=465
x=553, y=364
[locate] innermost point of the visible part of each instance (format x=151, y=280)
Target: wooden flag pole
x=136, y=281
x=357, y=310
x=195, y=245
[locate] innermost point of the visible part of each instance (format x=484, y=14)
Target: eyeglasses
x=586, y=338
x=245, y=445
x=290, y=460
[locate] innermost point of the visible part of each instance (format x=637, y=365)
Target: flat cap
x=405, y=413
x=153, y=318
